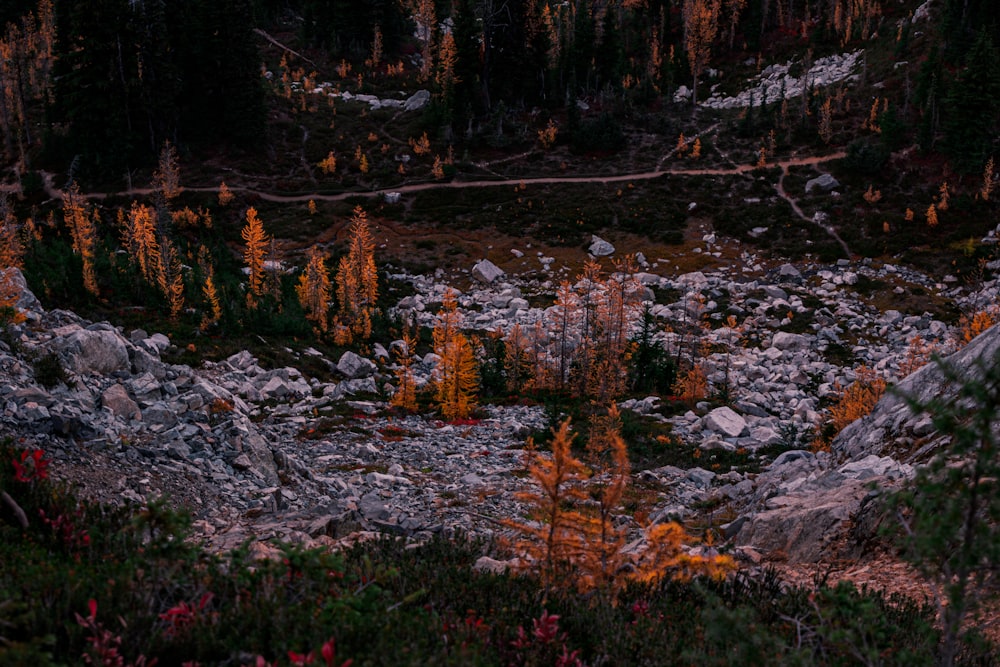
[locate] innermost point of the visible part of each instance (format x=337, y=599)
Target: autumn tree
x=426, y=20
x=456, y=377
x=931, y=216
x=858, y=399
x=11, y=252
x=357, y=281
x=225, y=195
x=405, y=397
x=254, y=251
x=446, y=78
x=701, y=22
x=607, y=458
x=551, y=542
x=517, y=358
x=313, y=289
x=167, y=177
x=170, y=276
x=139, y=239
x=81, y=223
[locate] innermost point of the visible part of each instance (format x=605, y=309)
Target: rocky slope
x=261, y=453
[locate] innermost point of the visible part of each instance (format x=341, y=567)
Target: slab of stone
x=725, y=421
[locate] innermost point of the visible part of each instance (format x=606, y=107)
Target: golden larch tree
x=11, y=252
x=607, y=458
x=456, y=378
x=405, y=397
x=83, y=231
x=139, y=239
x=701, y=23
x=211, y=295
x=225, y=195
x=932, y=216
x=551, y=542
x=858, y=399
x=313, y=289
x=167, y=177
x=170, y=277
x=447, y=62
x=357, y=280
x=254, y=251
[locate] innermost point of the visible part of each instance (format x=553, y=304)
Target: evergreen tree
x=972, y=110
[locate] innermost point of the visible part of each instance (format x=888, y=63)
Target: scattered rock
x=486, y=271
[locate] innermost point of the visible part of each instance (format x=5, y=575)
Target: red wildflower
x=36, y=469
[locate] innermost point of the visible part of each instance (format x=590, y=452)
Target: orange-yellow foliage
x=328, y=165
x=405, y=397
x=666, y=557
x=357, y=280
x=83, y=231
x=971, y=326
x=167, y=177
x=701, y=22
x=547, y=136
x=692, y=385
x=421, y=146
x=571, y=536
x=447, y=61
x=858, y=399
x=313, y=289
x=932, y=217
x=170, y=277
x=212, y=299
x=256, y=241
x=551, y=543
x=225, y=195
x=139, y=238
x=456, y=377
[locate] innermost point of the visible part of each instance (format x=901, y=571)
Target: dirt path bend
x=780, y=187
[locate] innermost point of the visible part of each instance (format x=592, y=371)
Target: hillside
x=321, y=272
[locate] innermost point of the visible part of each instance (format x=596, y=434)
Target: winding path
x=741, y=169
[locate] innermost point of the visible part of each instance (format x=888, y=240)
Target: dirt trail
x=798, y=211
x=56, y=193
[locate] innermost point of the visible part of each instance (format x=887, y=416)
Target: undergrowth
x=83, y=583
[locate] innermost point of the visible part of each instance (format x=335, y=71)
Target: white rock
x=353, y=366
x=600, y=248
x=486, y=271
x=725, y=421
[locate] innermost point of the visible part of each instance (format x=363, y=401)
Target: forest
x=102, y=87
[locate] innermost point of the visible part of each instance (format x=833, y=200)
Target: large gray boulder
x=92, y=352
x=417, y=100
x=600, y=248
x=893, y=429
x=353, y=366
x=785, y=341
x=726, y=422
x=27, y=303
x=824, y=182
x=486, y=271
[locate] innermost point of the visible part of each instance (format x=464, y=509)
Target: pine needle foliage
x=83, y=230
x=456, y=378
x=313, y=289
x=357, y=281
x=254, y=251
x=405, y=397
